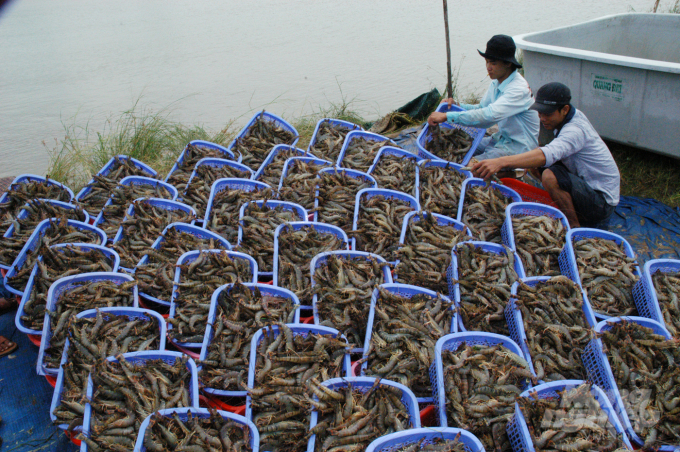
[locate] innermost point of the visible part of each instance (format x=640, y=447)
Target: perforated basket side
x=265, y=290
x=644, y=292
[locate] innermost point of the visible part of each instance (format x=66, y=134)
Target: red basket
x=52, y=380
x=72, y=437
x=36, y=339
x=428, y=417
x=209, y=401
x=529, y=193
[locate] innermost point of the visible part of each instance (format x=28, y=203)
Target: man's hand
x=450, y=101
x=436, y=118
x=487, y=168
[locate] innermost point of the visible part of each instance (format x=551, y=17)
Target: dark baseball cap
x=550, y=97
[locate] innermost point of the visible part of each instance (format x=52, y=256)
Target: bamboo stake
x=656, y=5
x=449, y=86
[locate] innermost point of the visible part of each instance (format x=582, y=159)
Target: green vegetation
x=148, y=136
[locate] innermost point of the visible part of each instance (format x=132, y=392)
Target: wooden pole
x=656, y=6
x=449, y=87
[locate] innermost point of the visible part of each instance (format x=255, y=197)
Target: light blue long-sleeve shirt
x=506, y=104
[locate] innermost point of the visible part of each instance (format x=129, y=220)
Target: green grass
x=647, y=175
x=151, y=137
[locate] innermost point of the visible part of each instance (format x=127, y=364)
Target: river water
x=212, y=61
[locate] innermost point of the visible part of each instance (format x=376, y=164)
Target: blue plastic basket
x=189, y=257
x=452, y=342
x=109, y=166
x=505, y=191
x=332, y=122
x=108, y=253
x=231, y=183
x=27, y=178
x=265, y=290
x=272, y=155
x=296, y=226
x=63, y=285
x=206, y=144
x=139, y=358
x=294, y=160
x=397, y=152
x=528, y=209
x=644, y=293
x=270, y=118
x=23, y=214
x=335, y=170
x=452, y=272
x=364, y=384
x=441, y=164
x=518, y=432
x=270, y=204
x=323, y=257
x=398, y=440
x=217, y=163
x=415, y=217
x=33, y=242
x=189, y=229
x=600, y=372
x=133, y=313
x=425, y=137
x=567, y=258
x=297, y=330
x=406, y=291
x=159, y=203
x=368, y=193
x=182, y=414
x=136, y=180
x=515, y=318
x=366, y=136
x=444, y=107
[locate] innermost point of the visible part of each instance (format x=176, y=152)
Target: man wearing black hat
x=505, y=103
x=576, y=167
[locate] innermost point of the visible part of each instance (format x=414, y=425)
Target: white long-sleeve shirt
x=506, y=104
x=579, y=147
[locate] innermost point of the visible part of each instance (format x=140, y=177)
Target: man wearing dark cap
x=505, y=103
x=576, y=167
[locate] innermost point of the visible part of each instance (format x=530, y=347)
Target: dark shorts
x=590, y=205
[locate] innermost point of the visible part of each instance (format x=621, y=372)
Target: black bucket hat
x=502, y=48
x=550, y=97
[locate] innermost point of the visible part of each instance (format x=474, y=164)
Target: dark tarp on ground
x=25, y=399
